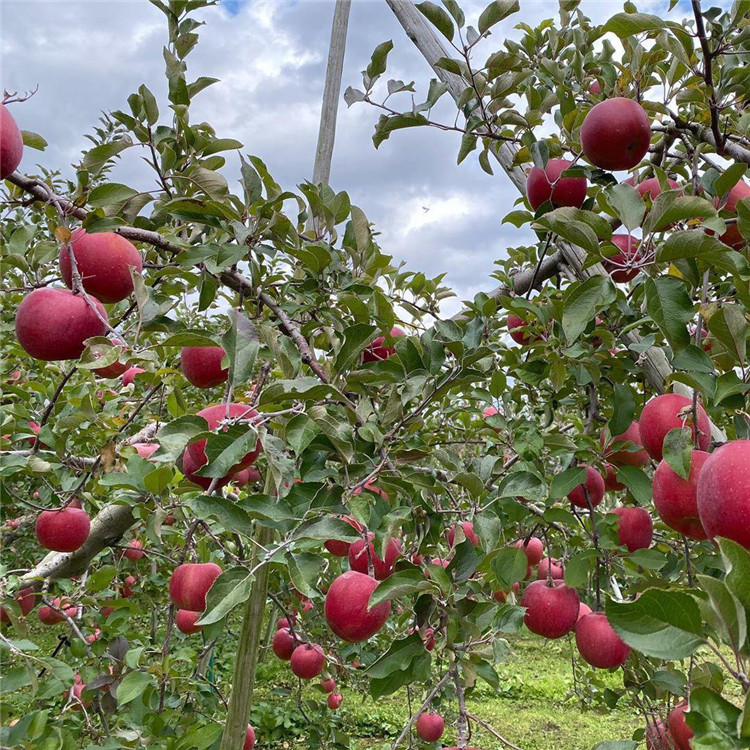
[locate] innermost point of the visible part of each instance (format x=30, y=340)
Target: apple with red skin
x=678, y=728
x=635, y=529
x=676, y=499
x=430, y=727
x=732, y=236
x=502, y=596
x=308, y=661
x=468, y=528
x=283, y=622
x=195, y=456
x=616, y=134
x=549, y=567
x=117, y=368
x=517, y=329
x=724, y=493
x=185, y=621
x=551, y=611
x=95, y=636
x=134, y=550
x=283, y=644
x=490, y=411
x=247, y=476
x=533, y=548
x=338, y=547
x=50, y=616
x=249, y=743
x=145, y=450
x=379, y=350
x=544, y=185
x=594, y=486
x=358, y=556
x=328, y=685
x=625, y=265
x=25, y=598
x=658, y=737
x=610, y=479
x=583, y=610
x=169, y=520
x=201, y=365
x=347, y=609
x=53, y=324
x=75, y=694
x=334, y=700
x=63, y=530
x=126, y=590
x=597, y=642
x=668, y=412
x=190, y=583
x=128, y=377
x=104, y=262
x=36, y=428
x=651, y=188
x=11, y=143
x=624, y=457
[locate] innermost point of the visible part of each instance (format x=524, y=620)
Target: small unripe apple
x=358, y=557
x=201, y=365
x=468, y=529
x=53, y=324
x=190, y=583
x=551, y=611
x=11, y=143
x=668, y=412
x=347, y=609
x=247, y=476
x=430, y=727
x=533, y=548
x=676, y=499
x=544, y=185
x=185, y=621
x=63, y=530
x=379, y=350
x=626, y=264
x=598, y=643
x=117, y=368
x=635, y=529
x=308, y=661
x=594, y=488
x=134, y=550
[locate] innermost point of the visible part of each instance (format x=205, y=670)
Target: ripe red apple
x=145, y=450
x=490, y=411
x=468, y=528
x=658, y=737
x=249, y=743
x=594, y=486
x=169, y=520
x=379, y=350
x=134, y=550
x=595, y=88
x=430, y=727
x=49, y=616
x=635, y=528
x=104, y=261
x=668, y=412
x=598, y=643
x=128, y=377
x=610, y=479
x=533, y=548
x=626, y=264
x=63, y=530
x=283, y=644
x=247, y=476
x=201, y=365
x=190, y=583
x=75, y=693
x=347, y=609
x=680, y=731
x=551, y=611
x=36, y=428
x=549, y=567
x=651, y=188
x=308, y=661
x=583, y=610
x=95, y=636
x=517, y=328
x=732, y=236
x=53, y=324
x=334, y=700
x=676, y=499
x=11, y=143
x=338, y=547
x=126, y=590
x=117, y=368
x=544, y=185
x=358, y=557
x=283, y=622
x=195, y=456
x=724, y=492
x=185, y=621
x=328, y=685
x=25, y=598
x=616, y=134
x=623, y=457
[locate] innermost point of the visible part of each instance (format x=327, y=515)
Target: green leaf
x=627, y=204
x=98, y=156
x=464, y=563
x=729, y=178
x=379, y=60
x=678, y=450
x=106, y=195
x=33, y=140
x=671, y=308
x=669, y=208
x=229, y=590
x=523, y=484
x=689, y=243
x=579, y=567
x=241, y=345
x=693, y=359
x=661, y=624
x=637, y=482
x=624, y=409
x=15, y=678
x=730, y=620
x=388, y=123
x=729, y=325
x=221, y=144
x=327, y=527
x=737, y=565
x=564, y=482
x=583, y=300
x=226, y=449
x=438, y=18
x=133, y=685
x=625, y=25
x=229, y=515
x=304, y=569
x=175, y=435
x=355, y=339
x=495, y=12
x=402, y=583
x=509, y=566
x=714, y=720
x=300, y=431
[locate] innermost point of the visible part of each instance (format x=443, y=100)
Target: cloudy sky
x=270, y=55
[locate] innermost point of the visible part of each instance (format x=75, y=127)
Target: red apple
x=616, y=134
x=185, y=621
x=128, y=377
x=63, y=530
x=676, y=499
x=623, y=457
x=359, y=554
x=134, y=550
x=11, y=143
x=544, y=185
x=283, y=622
x=595, y=88
x=598, y=643
x=49, y=616
x=145, y=450
x=201, y=365
x=126, y=590
x=724, y=493
x=551, y=611
x=668, y=412
x=635, y=529
x=53, y=324
x=594, y=487
x=610, y=479
x=117, y=368
x=308, y=661
x=626, y=264
x=517, y=328
x=104, y=263
x=533, y=548
x=651, y=188
x=468, y=528
x=658, y=737
x=732, y=236
x=249, y=743
x=490, y=411
x=247, y=476
x=379, y=350
x=25, y=598
x=549, y=567
x=680, y=731
x=334, y=700
x=583, y=610
x=347, y=609
x=430, y=727
x=190, y=583
x=283, y=644
x=338, y=547
x=328, y=685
